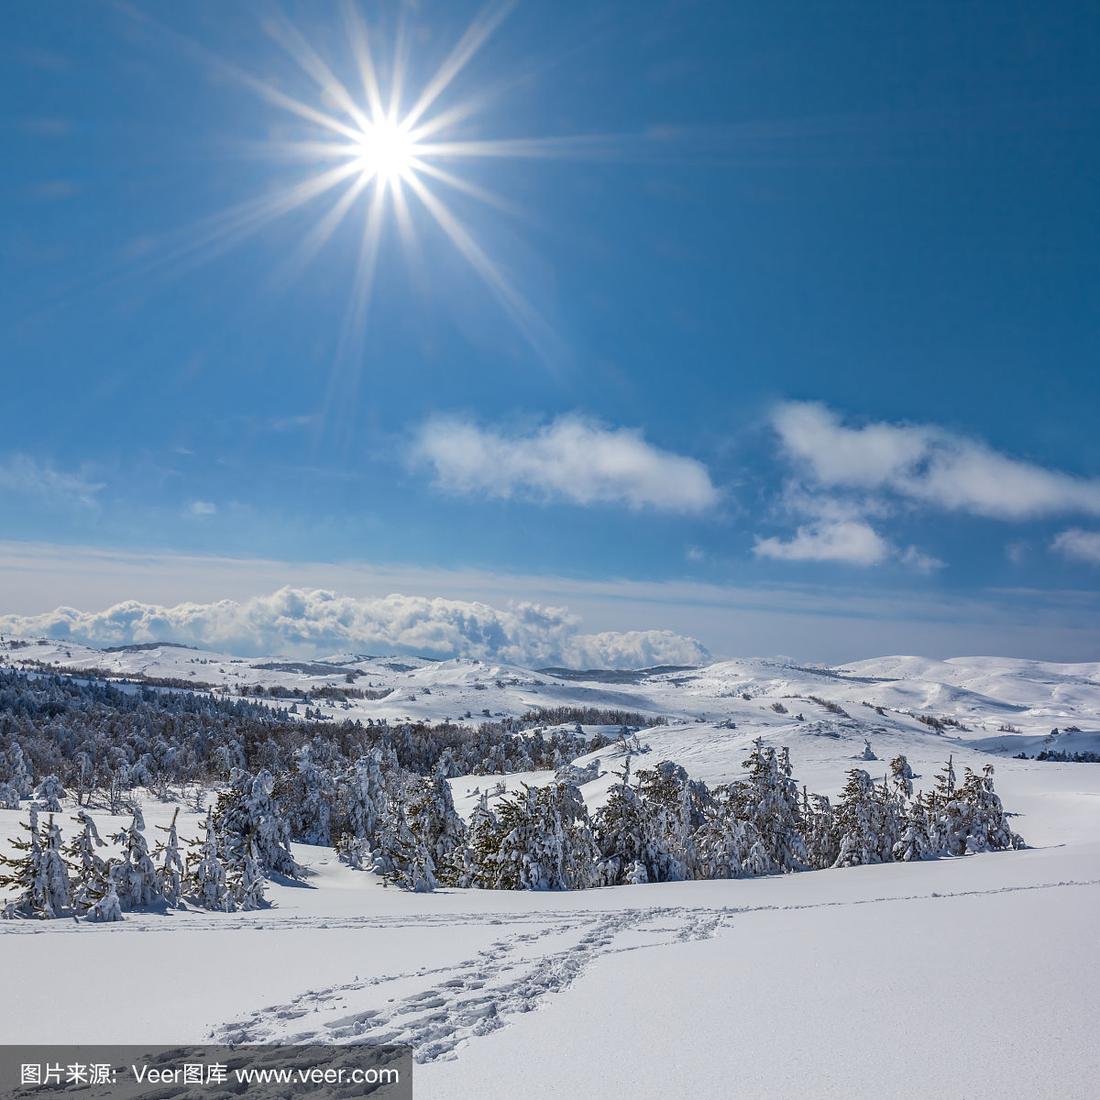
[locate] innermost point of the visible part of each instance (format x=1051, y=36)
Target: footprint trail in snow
x=451, y=1005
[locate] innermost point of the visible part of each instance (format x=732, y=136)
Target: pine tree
x=362, y=805
x=39, y=873
x=135, y=876
x=402, y=857
x=89, y=872
x=246, y=880
x=726, y=846
x=820, y=829
x=859, y=820
x=768, y=800
x=473, y=864
x=50, y=792
x=170, y=871
x=621, y=831
x=431, y=815
x=987, y=827
x=205, y=881
x=248, y=806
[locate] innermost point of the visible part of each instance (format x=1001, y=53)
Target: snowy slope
x=884, y=981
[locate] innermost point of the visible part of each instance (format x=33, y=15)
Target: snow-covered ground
x=966, y=977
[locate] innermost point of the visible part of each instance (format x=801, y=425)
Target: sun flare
x=386, y=151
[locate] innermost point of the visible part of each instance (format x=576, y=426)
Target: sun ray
x=475, y=37
x=360, y=45
x=490, y=198
x=519, y=309
x=291, y=40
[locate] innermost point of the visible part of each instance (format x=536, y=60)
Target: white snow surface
x=968, y=977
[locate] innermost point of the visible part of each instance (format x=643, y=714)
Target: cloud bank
x=572, y=459
x=312, y=622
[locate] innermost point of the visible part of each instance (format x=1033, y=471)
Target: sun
x=386, y=151
x=373, y=153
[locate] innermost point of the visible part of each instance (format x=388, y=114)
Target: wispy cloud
x=1079, y=545
x=927, y=464
x=202, y=508
x=573, y=459
x=42, y=481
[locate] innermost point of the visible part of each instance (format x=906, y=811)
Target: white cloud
x=202, y=508
x=917, y=559
x=850, y=541
x=1080, y=545
x=572, y=458
x=928, y=464
x=304, y=621
x=27, y=476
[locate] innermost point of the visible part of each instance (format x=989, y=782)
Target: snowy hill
x=817, y=969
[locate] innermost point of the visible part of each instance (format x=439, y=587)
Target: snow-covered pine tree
x=246, y=879
x=431, y=815
x=89, y=871
x=170, y=863
x=402, y=857
x=621, y=830
x=135, y=875
x=205, y=881
x=362, y=802
x=521, y=857
x=49, y=793
x=308, y=794
x=473, y=864
x=768, y=800
x=859, y=821
x=108, y=907
x=9, y=797
x=915, y=841
x=38, y=873
x=18, y=774
x=248, y=806
x=987, y=828
x=675, y=808
x=726, y=846
x=820, y=830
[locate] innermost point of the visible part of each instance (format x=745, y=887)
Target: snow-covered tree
x=49, y=793
x=473, y=864
x=768, y=799
x=402, y=857
x=431, y=815
x=89, y=871
x=205, y=881
x=38, y=873
x=987, y=828
x=540, y=839
x=621, y=829
x=247, y=807
x=857, y=822
x=246, y=879
x=726, y=846
x=819, y=830
x=135, y=875
x=169, y=862
x=362, y=803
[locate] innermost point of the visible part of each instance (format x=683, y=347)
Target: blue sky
x=797, y=313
